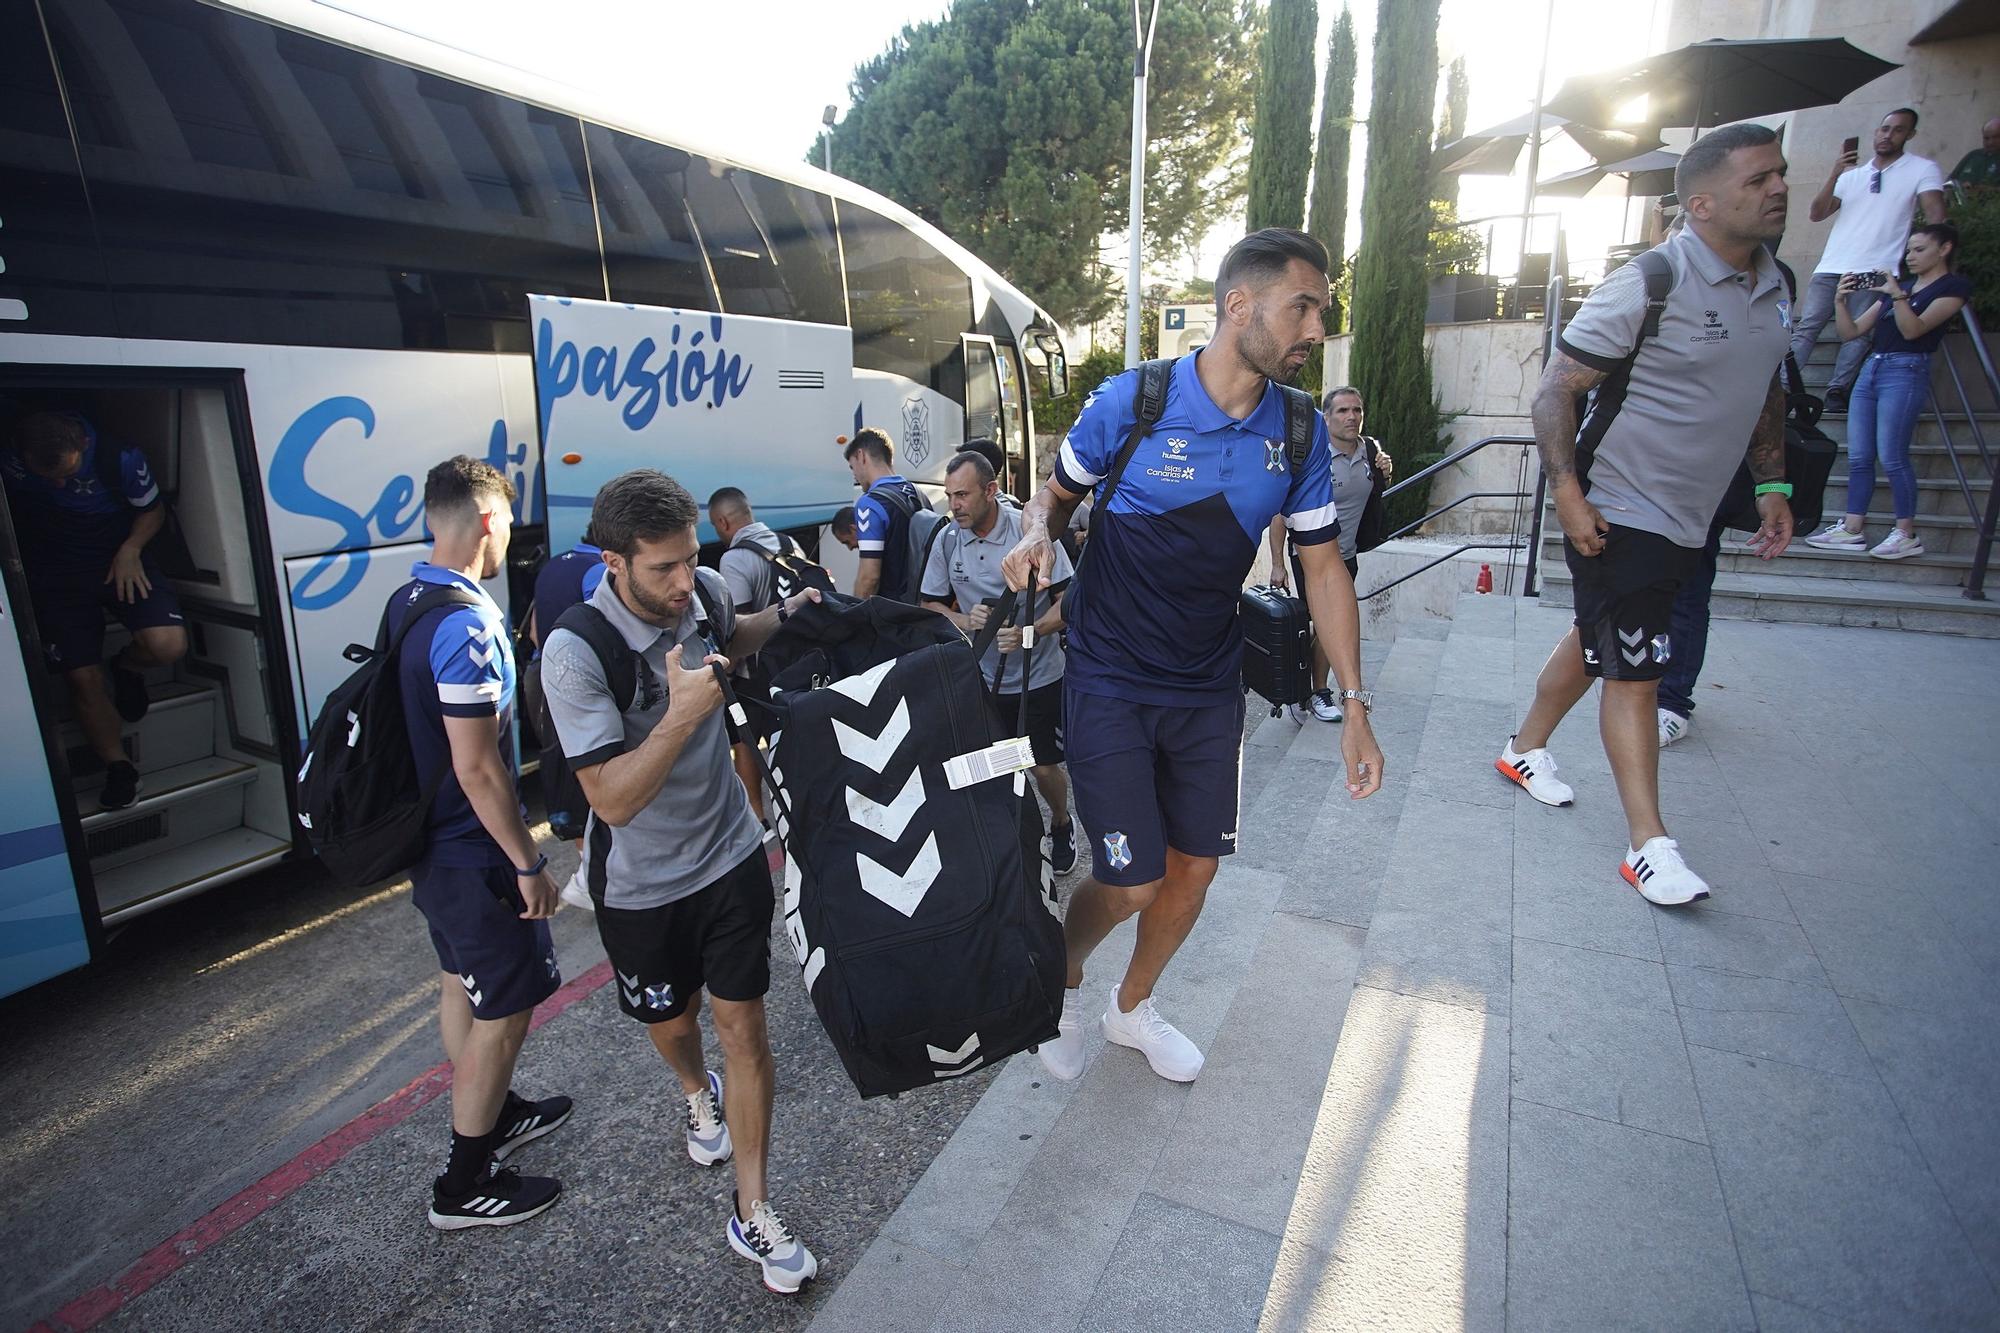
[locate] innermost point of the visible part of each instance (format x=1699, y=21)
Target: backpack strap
x=1299, y=415
x=1149, y=404
x=924, y=560
x=1795, y=383
x=427, y=601
x=1608, y=397
x=615, y=657
x=711, y=614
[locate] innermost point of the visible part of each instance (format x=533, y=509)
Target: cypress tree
x=1333, y=150
x=1452, y=126
x=1389, y=362
x=1281, y=133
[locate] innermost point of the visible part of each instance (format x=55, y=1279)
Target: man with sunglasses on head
x=1870, y=206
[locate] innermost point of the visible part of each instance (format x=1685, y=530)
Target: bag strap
x=1299, y=416
x=924, y=560
x=1659, y=275
x=615, y=657
x=1149, y=404
x=429, y=600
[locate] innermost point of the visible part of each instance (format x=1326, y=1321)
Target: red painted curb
x=173, y=1253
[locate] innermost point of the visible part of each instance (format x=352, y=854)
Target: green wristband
x=1783, y=488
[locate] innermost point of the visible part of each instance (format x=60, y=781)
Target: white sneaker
x=1299, y=713
x=1898, y=545
x=576, y=894
x=1171, y=1054
x=1535, y=772
x=1672, y=727
x=1661, y=877
x=1063, y=1057
x=1325, y=706
x=708, y=1136
x=787, y=1263
x=1835, y=537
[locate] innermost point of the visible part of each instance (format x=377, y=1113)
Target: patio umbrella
x=1648, y=173
x=1723, y=80
x=1496, y=150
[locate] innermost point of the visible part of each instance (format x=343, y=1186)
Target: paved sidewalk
x=1460, y=1076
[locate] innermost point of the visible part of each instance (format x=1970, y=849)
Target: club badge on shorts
x=1117, y=851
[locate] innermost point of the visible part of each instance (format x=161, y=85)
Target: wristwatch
x=1366, y=698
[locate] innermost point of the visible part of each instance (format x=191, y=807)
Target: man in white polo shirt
x=1871, y=208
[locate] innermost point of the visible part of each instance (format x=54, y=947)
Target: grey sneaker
x=787, y=1263
x=1325, y=705
x=708, y=1136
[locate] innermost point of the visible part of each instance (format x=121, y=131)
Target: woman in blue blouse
x=1907, y=324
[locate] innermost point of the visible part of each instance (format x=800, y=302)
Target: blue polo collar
x=1267, y=418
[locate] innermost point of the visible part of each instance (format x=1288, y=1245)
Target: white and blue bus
x=288, y=253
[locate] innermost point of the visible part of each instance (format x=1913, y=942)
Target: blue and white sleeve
x=871, y=527
x=1092, y=444
x=141, y=491
x=1309, y=509
x=465, y=661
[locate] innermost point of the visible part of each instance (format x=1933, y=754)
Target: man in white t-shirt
x=1871, y=208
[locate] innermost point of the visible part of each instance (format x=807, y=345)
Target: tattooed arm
x=1554, y=412
x=1766, y=458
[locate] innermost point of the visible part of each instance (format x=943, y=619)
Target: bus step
x=129, y=890
x=178, y=805
x=178, y=728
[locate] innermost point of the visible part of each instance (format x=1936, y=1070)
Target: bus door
x=1014, y=434
x=46, y=924
x=983, y=416
x=713, y=400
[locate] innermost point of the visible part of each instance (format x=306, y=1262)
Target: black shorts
x=1625, y=602
x=1045, y=720
x=70, y=608
x=505, y=964
x=718, y=938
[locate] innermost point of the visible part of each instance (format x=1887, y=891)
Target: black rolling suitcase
x=1277, y=646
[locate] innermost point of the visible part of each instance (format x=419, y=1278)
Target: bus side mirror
x=1046, y=353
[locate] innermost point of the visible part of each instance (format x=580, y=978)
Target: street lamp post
x=826, y=118
x=1142, y=54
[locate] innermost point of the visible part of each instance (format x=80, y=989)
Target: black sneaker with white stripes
x=500, y=1198
x=522, y=1122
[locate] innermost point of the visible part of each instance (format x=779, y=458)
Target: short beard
x=1259, y=352
x=644, y=601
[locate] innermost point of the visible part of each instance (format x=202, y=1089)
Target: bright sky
x=756, y=75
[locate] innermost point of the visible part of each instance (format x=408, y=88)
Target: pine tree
x=1389, y=362
x=1333, y=150
x=1281, y=133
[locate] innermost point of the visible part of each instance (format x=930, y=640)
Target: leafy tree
x=1333, y=150
x=1389, y=361
x=1281, y=134
x=1007, y=124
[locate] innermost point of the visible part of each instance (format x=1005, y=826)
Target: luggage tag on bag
x=995, y=761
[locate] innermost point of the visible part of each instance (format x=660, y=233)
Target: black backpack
x=792, y=570
x=921, y=526
x=1372, y=528
x=360, y=802
x=923, y=914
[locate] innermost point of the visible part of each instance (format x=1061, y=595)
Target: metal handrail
x=1982, y=554
x=1513, y=543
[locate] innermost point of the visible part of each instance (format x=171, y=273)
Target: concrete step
x=1826, y=601
x=1936, y=567
x=132, y=887
x=1935, y=494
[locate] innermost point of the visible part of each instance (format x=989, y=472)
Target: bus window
x=649, y=251
x=982, y=391
x=908, y=304
x=253, y=186
x=771, y=246
x=51, y=280
x=1013, y=413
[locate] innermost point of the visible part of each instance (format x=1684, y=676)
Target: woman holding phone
x=1906, y=324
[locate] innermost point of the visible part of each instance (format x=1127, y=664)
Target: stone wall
x=1485, y=375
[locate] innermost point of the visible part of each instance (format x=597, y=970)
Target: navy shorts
x=505, y=964
x=1152, y=776
x=1045, y=720
x=70, y=607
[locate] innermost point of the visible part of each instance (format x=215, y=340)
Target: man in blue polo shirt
x=84, y=512
x=882, y=518
x=1153, y=702
x=483, y=886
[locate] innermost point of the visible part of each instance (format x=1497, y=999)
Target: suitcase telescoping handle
x=1021, y=606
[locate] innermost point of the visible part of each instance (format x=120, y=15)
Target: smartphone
x=1851, y=144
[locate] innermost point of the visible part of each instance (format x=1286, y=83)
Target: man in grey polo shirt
x=1355, y=462
x=674, y=859
x=961, y=580
x=1638, y=484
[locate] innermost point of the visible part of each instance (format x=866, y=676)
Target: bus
x=288, y=252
